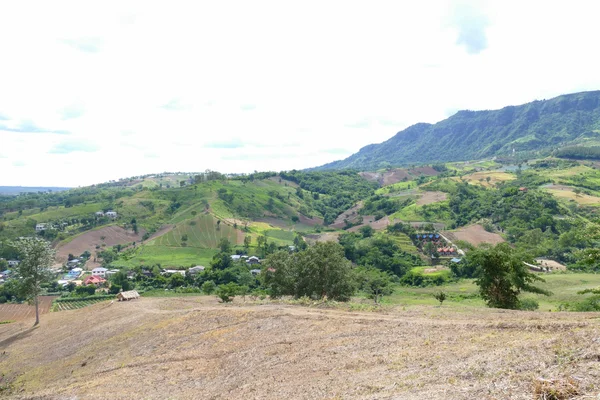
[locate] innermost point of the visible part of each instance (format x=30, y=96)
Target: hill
x=15, y=190
x=192, y=347
x=471, y=135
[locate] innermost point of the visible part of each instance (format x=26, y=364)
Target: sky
x=93, y=91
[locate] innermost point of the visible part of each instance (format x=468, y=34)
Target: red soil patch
x=370, y=220
x=113, y=235
x=474, y=234
x=18, y=312
x=310, y=221
x=431, y=197
x=350, y=214
x=426, y=170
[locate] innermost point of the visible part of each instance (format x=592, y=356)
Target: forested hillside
x=469, y=135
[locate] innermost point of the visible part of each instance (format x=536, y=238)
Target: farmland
x=248, y=350
x=18, y=312
x=202, y=232
x=74, y=304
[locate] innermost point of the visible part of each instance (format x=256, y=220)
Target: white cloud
x=264, y=85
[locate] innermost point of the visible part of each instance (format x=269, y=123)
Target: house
x=131, y=274
x=111, y=272
x=74, y=262
x=253, y=260
x=13, y=263
x=99, y=213
x=446, y=251
x=255, y=271
x=173, y=271
x=523, y=189
x=111, y=214
x=74, y=273
x=94, y=280
x=428, y=237
x=40, y=227
x=99, y=272
x=455, y=260
x=128, y=295
x=196, y=270
x=236, y=257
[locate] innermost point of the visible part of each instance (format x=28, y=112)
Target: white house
x=236, y=257
x=99, y=213
x=255, y=271
x=253, y=260
x=13, y=263
x=40, y=227
x=101, y=272
x=111, y=214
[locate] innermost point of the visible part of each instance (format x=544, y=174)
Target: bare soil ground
x=310, y=221
x=431, y=197
x=480, y=178
x=397, y=175
x=19, y=312
x=87, y=241
x=474, y=234
x=370, y=220
x=351, y=214
x=323, y=237
x=194, y=348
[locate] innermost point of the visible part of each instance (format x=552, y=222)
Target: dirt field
x=323, y=237
x=480, y=178
x=194, y=348
x=310, y=221
x=474, y=234
x=431, y=197
x=397, y=175
x=566, y=192
x=20, y=312
x=370, y=220
x=351, y=214
x=87, y=241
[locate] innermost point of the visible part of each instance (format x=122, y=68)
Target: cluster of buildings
x=109, y=214
x=249, y=260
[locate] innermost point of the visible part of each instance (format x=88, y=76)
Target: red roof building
x=94, y=280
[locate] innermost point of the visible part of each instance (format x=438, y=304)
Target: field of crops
x=202, y=232
x=17, y=312
x=404, y=242
x=75, y=304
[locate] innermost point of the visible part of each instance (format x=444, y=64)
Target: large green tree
x=321, y=271
x=502, y=275
x=36, y=256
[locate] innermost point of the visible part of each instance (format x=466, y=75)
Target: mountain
x=469, y=135
x=15, y=190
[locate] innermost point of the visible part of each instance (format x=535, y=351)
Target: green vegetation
x=470, y=135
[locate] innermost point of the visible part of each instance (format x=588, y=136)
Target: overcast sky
x=92, y=91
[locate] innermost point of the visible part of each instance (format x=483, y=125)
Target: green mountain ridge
x=542, y=125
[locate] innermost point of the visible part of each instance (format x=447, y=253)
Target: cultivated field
x=480, y=178
x=566, y=193
x=201, y=231
x=474, y=234
x=431, y=197
x=194, y=348
x=19, y=312
x=109, y=236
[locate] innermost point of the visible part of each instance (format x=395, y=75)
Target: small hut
x=128, y=295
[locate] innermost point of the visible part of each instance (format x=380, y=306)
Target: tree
x=366, y=231
x=218, y=224
x=36, y=257
x=209, y=287
x=375, y=283
x=227, y=292
x=440, y=296
x=319, y=272
x=502, y=275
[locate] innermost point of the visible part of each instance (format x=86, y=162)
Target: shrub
x=440, y=296
x=209, y=287
x=529, y=305
x=227, y=292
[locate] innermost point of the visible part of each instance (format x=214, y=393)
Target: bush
x=227, y=292
x=529, y=305
x=208, y=287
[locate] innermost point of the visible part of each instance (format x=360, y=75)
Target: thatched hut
x=128, y=295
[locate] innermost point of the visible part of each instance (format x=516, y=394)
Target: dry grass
x=474, y=234
x=194, y=348
x=556, y=389
x=566, y=193
x=431, y=197
x=480, y=178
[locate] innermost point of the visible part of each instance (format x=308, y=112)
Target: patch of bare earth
x=322, y=237
x=18, y=312
x=351, y=214
x=310, y=221
x=553, y=265
x=431, y=197
x=474, y=234
x=193, y=348
x=370, y=220
x=109, y=235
